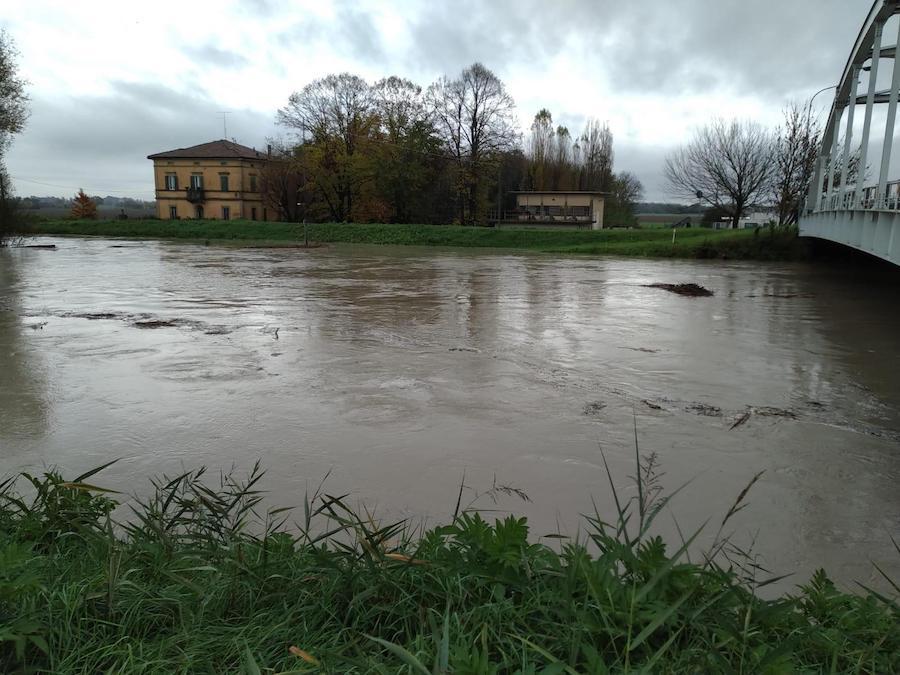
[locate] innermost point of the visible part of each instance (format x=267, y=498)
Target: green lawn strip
x=694, y=242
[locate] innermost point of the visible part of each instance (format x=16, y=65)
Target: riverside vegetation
x=762, y=244
x=201, y=579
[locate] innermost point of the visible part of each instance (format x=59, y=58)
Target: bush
x=201, y=579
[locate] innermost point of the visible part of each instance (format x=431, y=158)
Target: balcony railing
x=527, y=216
x=196, y=195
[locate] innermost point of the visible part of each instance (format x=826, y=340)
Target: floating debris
x=44, y=247
x=156, y=323
x=38, y=326
x=741, y=419
x=463, y=349
x=768, y=411
x=646, y=350
x=96, y=316
x=593, y=408
x=651, y=404
x=704, y=409
x=690, y=290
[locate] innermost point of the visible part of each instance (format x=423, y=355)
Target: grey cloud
x=646, y=163
x=101, y=143
x=213, y=56
x=692, y=46
x=352, y=31
x=257, y=8
x=447, y=36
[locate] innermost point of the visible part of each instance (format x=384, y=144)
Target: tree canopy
x=393, y=151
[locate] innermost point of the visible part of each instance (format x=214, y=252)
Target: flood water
x=400, y=369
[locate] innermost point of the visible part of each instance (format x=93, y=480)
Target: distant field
x=103, y=211
x=691, y=243
x=666, y=219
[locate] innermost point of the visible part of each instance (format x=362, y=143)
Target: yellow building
x=217, y=180
x=559, y=209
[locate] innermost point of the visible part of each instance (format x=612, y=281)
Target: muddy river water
x=399, y=369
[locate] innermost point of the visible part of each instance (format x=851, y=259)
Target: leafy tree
x=407, y=155
x=337, y=114
x=84, y=207
x=13, y=115
x=625, y=191
x=284, y=185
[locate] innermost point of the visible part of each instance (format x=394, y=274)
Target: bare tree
x=400, y=105
x=728, y=165
x=540, y=144
x=796, y=147
x=563, y=166
x=474, y=115
x=596, y=147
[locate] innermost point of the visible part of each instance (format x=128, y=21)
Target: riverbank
x=689, y=243
x=197, y=582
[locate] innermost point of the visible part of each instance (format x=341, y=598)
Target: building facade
x=219, y=180
x=578, y=210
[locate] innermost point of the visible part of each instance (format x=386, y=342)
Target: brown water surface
x=400, y=369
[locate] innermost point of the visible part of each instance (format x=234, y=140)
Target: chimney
x=269, y=151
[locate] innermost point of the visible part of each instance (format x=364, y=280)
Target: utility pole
x=499, y=191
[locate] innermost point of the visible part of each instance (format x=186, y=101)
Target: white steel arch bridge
x=863, y=213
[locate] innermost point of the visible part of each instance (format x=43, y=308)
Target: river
x=401, y=369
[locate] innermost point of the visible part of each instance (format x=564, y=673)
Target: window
x=196, y=180
x=171, y=181
x=253, y=213
x=226, y=212
x=198, y=210
x=252, y=183
x=223, y=182
x=173, y=212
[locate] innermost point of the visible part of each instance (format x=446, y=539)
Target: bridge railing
x=862, y=199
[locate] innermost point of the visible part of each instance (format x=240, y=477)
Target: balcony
x=196, y=195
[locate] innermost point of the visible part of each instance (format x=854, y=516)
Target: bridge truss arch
x=857, y=213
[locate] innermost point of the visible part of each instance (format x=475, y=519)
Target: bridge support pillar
x=889, y=132
x=848, y=137
x=867, y=120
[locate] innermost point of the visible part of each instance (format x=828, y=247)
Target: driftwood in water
x=691, y=290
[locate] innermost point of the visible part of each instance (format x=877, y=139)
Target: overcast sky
x=112, y=82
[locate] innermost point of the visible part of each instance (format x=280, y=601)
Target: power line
x=69, y=187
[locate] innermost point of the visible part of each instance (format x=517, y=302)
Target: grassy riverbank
x=195, y=582
x=690, y=243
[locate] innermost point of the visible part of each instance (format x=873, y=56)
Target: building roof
x=221, y=149
x=560, y=192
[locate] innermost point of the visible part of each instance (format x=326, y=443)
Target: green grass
x=690, y=243
x=201, y=579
